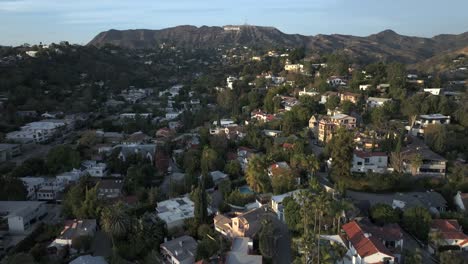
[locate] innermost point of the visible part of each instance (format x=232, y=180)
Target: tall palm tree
x=322, y=203
x=115, y=221
x=313, y=164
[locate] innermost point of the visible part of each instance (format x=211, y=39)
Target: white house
x=364, y=87
x=376, y=162
x=304, y=92
x=174, y=211
x=95, y=169
x=370, y=244
x=230, y=82
x=37, y=132
x=32, y=185
x=434, y=91
x=21, y=215
x=70, y=176
x=424, y=120
x=377, y=102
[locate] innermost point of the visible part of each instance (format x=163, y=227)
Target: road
x=411, y=245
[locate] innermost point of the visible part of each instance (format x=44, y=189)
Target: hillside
x=383, y=46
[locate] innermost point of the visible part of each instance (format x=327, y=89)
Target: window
x=359, y=163
x=366, y=160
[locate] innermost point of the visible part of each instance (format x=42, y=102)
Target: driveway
x=411, y=245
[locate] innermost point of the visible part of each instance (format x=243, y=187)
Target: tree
x=415, y=163
x=332, y=102
x=266, y=239
x=341, y=148
x=192, y=161
x=208, y=160
x=140, y=175
x=283, y=181
x=384, y=214
x=115, y=221
x=435, y=136
x=201, y=202
x=417, y=221
x=12, y=189
x=62, y=158
x=233, y=169
x=413, y=257
x=256, y=175
x=292, y=214
x=82, y=243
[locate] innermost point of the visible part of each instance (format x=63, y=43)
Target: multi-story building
x=21, y=215
x=429, y=163
x=328, y=125
x=95, y=169
x=352, y=97
x=376, y=101
x=376, y=162
x=8, y=151
x=37, y=132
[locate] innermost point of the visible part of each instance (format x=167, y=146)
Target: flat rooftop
x=17, y=208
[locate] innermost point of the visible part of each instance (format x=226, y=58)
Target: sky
x=34, y=21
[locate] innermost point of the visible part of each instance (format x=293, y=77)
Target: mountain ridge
x=384, y=45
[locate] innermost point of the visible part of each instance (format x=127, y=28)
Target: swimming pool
x=245, y=190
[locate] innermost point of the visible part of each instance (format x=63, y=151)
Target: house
x=182, y=250
x=174, y=211
x=278, y=168
x=272, y=133
x=304, y=92
x=383, y=87
x=134, y=116
x=50, y=189
x=432, y=165
x=329, y=124
x=367, y=243
x=109, y=189
x=432, y=201
x=9, y=151
x=245, y=224
x=73, y=229
x=461, y=201
x=262, y=116
x=137, y=138
x=70, y=176
x=110, y=137
x=324, y=97
x=277, y=203
x=294, y=67
x=94, y=168
x=434, y=91
x=313, y=123
x=230, y=82
x=376, y=101
x=447, y=232
x=336, y=81
x=425, y=120
x=289, y=102
x=88, y=259
x=243, y=156
x=225, y=122
x=146, y=151
x=352, y=97
x=21, y=215
x=218, y=176
x=364, y=87
x=38, y=132
x=376, y=162
x=241, y=252
x=32, y=185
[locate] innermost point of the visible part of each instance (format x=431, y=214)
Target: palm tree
x=115, y=221
x=322, y=203
x=313, y=164
x=338, y=207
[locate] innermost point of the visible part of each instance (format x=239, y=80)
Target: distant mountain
x=386, y=45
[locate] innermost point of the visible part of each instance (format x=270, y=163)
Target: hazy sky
x=79, y=21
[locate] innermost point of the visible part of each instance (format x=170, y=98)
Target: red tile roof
x=365, y=246
x=449, y=229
